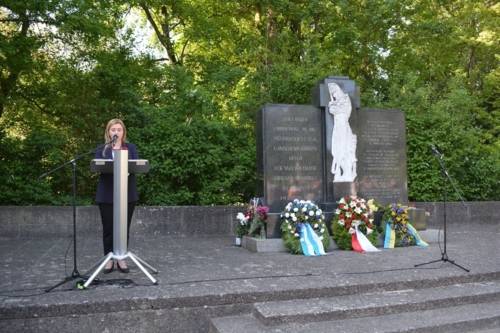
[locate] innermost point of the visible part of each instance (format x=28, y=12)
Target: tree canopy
x=188, y=77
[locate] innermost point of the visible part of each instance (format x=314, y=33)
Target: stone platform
x=276, y=244
x=206, y=284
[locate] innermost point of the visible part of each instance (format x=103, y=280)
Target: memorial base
x=260, y=245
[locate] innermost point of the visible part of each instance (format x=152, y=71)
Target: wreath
x=351, y=212
x=299, y=212
x=396, y=218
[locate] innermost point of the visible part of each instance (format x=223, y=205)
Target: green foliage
x=201, y=162
x=444, y=118
x=67, y=67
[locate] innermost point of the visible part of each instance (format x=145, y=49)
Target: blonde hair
x=107, y=137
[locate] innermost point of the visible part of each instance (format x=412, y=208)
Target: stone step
x=478, y=318
x=376, y=303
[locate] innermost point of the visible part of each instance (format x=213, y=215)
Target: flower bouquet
x=302, y=220
x=353, y=223
x=397, y=229
x=253, y=221
x=242, y=226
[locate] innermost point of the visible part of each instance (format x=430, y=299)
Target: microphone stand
x=446, y=176
x=75, y=274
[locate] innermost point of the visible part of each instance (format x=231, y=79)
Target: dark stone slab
x=381, y=156
x=290, y=154
x=321, y=96
x=273, y=225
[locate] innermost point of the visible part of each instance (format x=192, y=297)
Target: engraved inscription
x=292, y=147
x=383, y=156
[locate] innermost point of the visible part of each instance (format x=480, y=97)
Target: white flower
x=240, y=216
x=287, y=215
x=304, y=209
x=306, y=217
x=368, y=231
x=371, y=220
x=356, y=223
x=319, y=212
x=296, y=234
x=352, y=204
x=289, y=227
x=311, y=213
x=348, y=214
x=357, y=210
x=341, y=222
x=320, y=238
x=342, y=201
x=294, y=218
x=295, y=209
x=322, y=230
x=316, y=226
x=337, y=211
x=352, y=230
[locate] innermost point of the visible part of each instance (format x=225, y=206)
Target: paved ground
x=194, y=266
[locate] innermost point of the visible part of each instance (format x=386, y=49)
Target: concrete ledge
x=263, y=245
x=56, y=221
x=470, y=212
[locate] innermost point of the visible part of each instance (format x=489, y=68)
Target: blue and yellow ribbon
x=390, y=236
x=419, y=241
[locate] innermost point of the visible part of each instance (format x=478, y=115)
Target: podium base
x=104, y=260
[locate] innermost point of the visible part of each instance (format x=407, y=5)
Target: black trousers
x=107, y=224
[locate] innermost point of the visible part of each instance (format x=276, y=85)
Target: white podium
x=120, y=167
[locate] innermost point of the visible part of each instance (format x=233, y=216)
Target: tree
x=69, y=66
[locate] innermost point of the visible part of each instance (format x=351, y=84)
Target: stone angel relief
x=343, y=140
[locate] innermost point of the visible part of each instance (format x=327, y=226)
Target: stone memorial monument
x=332, y=148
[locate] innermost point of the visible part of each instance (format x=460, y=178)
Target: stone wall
x=460, y=213
x=48, y=221
x=54, y=221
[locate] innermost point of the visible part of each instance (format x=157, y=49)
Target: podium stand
x=121, y=166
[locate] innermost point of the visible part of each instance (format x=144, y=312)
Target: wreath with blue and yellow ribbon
x=397, y=230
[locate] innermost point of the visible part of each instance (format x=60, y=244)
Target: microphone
x=113, y=140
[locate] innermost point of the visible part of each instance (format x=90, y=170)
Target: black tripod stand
x=446, y=176
x=75, y=274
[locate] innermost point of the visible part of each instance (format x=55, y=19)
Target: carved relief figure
x=343, y=140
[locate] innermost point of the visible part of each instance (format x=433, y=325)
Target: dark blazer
x=105, y=186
